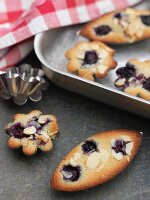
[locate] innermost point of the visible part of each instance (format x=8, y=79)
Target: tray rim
x=37, y=41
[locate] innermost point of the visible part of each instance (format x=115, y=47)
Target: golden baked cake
x=96, y=160
x=32, y=131
x=127, y=26
x=90, y=60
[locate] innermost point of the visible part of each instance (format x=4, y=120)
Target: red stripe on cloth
x=15, y=54
x=90, y=1
x=13, y=16
x=45, y=8
x=3, y=17
x=71, y=4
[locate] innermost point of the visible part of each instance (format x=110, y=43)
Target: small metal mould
x=22, y=83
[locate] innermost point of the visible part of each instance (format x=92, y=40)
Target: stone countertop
x=27, y=178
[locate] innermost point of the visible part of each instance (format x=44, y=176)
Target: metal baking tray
x=50, y=47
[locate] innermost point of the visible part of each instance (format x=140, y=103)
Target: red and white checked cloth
x=22, y=19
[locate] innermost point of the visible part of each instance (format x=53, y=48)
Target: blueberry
x=126, y=72
x=89, y=146
x=120, y=146
x=35, y=124
x=90, y=57
x=146, y=84
x=121, y=72
x=145, y=19
x=42, y=143
x=71, y=173
x=16, y=130
x=129, y=65
x=103, y=30
x=118, y=15
x=140, y=77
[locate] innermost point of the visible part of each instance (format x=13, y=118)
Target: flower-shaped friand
x=119, y=27
x=32, y=131
x=134, y=78
x=90, y=60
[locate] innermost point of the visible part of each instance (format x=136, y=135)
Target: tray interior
x=60, y=40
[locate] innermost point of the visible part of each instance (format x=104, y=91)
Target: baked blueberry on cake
x=96, y=160
x=90, y=60
x=126, y=26
x=134, y=78
x=32, y=131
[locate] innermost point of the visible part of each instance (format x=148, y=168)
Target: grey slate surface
x=27, y=178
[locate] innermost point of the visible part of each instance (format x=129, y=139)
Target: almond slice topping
x=29, y=130
x=43, y=119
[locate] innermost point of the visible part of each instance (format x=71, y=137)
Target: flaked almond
x=72, y=162
x=24, y=141
x=104, y=155
x=103, y=54
x=124, y=23
x=129, y=147
x=42, y=119
x=100, y=167
x=93, y=160
x=80, y=54
x=120, y=82
x=44, y=134
x=131, y=79
x=116, y=21
x=113, y=141
x=117, y=156
x=29, y=130
x=102, y=69
x=42, y=138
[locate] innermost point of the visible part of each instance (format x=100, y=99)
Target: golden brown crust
x=30, y=149
x=138, y=91
x=130, y=32
x=90, y=178
x=30, y=142
x=46, y=147
x=14, y=143
x=99, y=69
x=19, y=116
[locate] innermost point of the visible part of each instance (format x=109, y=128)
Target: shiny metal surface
x=50, y=47
x=21, y=83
